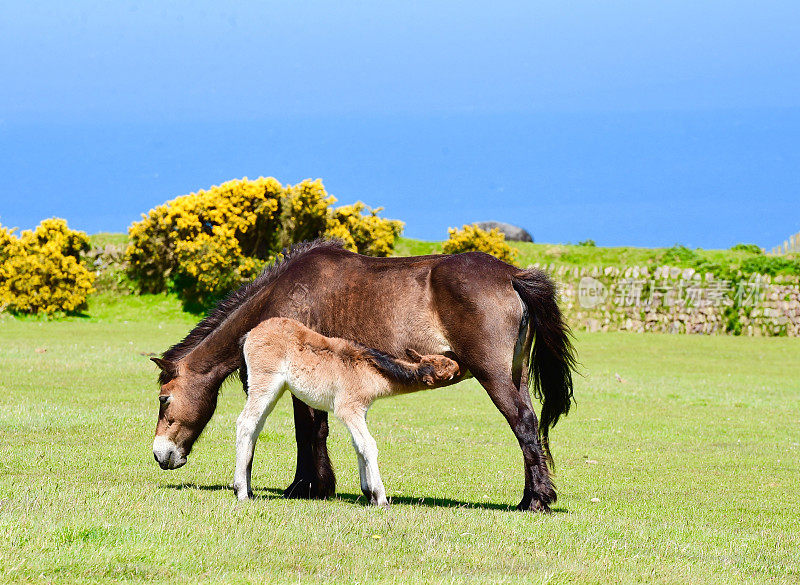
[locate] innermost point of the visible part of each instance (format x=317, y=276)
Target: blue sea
x=704, y=178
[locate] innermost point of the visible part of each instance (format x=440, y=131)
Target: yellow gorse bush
x=40, y=271
x=207, y=243
x=366, y=234
x=200, y=241
x=471, y=238
x=305, y=211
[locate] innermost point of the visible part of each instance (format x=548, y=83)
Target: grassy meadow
x=564, y=254
x=622, y=256
x=679, y=464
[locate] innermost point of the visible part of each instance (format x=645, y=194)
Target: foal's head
x=434, y=368
x=184, y=410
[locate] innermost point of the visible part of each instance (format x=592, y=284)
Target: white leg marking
x=261, y=399
x=367, y=451
x=362, y=472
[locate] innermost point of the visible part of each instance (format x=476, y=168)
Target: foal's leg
x=367, y=453
x=261, y=399
x=362, y=470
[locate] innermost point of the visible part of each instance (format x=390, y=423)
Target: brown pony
x=501, y=324
x=330, y=374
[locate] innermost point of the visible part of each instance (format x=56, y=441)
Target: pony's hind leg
x=261, y=398
x=367, y=453
x=515, y=406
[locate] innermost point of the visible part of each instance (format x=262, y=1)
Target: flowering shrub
x=200, y=241
x=366, y=234
x=9, y=248
x=207, y=243
x=304, y=214
x=471, y=238
x=40, y=271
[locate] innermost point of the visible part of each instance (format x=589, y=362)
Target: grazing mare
x=330, y=374
x=500, y=323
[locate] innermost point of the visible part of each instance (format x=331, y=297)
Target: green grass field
x=694, y=458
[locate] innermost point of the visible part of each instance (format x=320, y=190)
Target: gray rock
x=512, y=232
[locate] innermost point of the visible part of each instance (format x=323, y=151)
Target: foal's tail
x=552, y=357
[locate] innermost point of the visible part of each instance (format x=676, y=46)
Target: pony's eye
x=165, y=399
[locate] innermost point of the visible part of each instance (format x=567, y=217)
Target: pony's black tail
x=552, y=357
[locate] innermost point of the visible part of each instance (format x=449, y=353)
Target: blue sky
x=629, y=122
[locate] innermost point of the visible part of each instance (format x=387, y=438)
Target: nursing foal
x=331, y=374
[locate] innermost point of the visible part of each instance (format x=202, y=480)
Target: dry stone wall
x=677, y=300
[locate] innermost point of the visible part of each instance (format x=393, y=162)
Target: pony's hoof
x=535, y=504
x=298, y=489
x=537, y=507
x=323, y=491
x=304, y=489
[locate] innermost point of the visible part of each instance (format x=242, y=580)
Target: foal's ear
x=413, y=355
x=164, y=365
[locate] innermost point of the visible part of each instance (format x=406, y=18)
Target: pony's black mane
x=395, y=369
x=236, y=298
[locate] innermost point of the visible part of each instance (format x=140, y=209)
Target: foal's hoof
x=375, y=499
x=242, y=494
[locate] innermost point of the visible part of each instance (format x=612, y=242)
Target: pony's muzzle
x=167, y=454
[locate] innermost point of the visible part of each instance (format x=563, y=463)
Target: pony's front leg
x=261, y=399
x=367, y=452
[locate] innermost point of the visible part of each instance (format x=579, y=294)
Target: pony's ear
x=413, y=355
x=164, y=365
